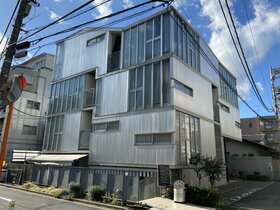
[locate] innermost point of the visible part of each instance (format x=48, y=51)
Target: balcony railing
x=89, y=98
x=114, y=61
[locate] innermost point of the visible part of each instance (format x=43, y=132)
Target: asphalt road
x=31, y=201
x=265, y=199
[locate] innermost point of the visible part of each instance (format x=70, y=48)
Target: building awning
x=57, y=157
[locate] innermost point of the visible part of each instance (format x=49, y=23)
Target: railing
x=114, y=61
x=89, y=98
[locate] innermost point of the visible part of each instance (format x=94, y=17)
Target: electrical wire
x=39, y=116
x=11, y=18
x=95, y=20
x=255, y=48
x=208, y=60
x=245, y=66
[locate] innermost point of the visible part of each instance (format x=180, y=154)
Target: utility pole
x=23, y=11
x=275, y=91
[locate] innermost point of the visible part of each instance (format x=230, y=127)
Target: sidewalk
x=232, y=192
x=159, y=203
x=235, y=190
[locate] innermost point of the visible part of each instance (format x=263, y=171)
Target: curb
x=72, y=200
x=246, y=196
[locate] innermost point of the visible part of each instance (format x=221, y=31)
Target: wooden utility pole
x=23, y=11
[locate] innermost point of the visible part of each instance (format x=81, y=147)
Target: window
x=33, y=105
x=268, y=125
x=224, y=107
x=95, y=40
x=54, y=132
x=158, y=138
x=250, y=125
x=106, y=126
x=29, y=130
x=188, y=133
x=149, y=86
x=28, y=78
x=145, y=41
x=228, y=86
x=269, y=137
x=39, y=64
x=180, y=86
x=237, y=124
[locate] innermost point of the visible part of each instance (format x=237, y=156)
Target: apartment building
x=30, y=110
x=264, y=130
x=125, y=101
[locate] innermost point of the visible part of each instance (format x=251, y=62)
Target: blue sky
x=258, y=26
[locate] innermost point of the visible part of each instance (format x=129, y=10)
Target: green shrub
x=113, y=200
x=56, y=192
x=75, y=190
x=258, y=177
x=169, y=193
x=96, y=193
x=203, y=196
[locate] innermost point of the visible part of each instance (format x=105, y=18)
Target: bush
x=31, y=186
x=169, y=193
x=56, y=192
x=75, y=190
x=203, y=196
x=96, y=193
x=258, y=177
x=113, y=200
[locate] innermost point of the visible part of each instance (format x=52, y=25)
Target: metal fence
x=134, y=186
x=243, y=166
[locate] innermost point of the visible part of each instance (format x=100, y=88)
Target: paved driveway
x=31, y=201
x=265, y=199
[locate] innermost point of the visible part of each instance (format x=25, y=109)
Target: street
x=265, y=199
x=31, y=201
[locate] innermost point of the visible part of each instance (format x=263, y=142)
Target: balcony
x=114, y=61
x=89, y=98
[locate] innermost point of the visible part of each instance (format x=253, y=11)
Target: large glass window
x=54, y=131
x=149, y=86
x=188, y=134
x=227, y=86
x=144, y=42
x=157, y=138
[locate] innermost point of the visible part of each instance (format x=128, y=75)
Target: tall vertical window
x=227, y=86
x=147, y=40
x=185, y=42
x=58, y=61
x=149, y=86
x=188, y=134
x=136, y=89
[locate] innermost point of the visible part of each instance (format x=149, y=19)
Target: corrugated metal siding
x=71, y=131
x=118, y=147
x=201, y=101
x=78, y=57
x=114, y=94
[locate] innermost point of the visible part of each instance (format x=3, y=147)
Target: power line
x=255, y=48
x=38, y=116
x=246, y=69
x=98, y=19
x=11, y=18
x=208, y=60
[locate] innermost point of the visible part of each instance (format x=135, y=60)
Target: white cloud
x=260, y=87
x=127, y=3
x=53, y=16
x=104, y=9
x=265, y=27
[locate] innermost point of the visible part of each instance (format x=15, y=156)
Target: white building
x=26, y=129
x=138, y=97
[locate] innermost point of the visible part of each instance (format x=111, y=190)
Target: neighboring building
x=264, y=130
x=27, y=130
x=134, y=98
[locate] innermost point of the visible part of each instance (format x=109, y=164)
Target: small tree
x=197, y=162
x=214, y=169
